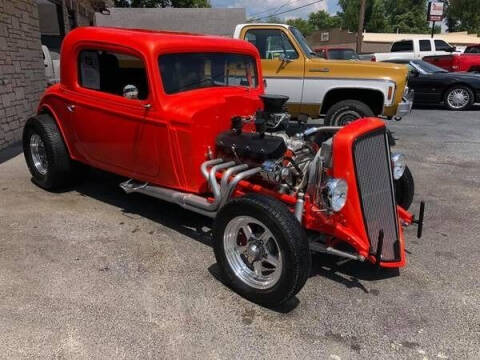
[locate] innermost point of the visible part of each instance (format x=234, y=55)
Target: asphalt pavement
x=92, y=273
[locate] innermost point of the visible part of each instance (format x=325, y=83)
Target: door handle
x=70, y=107
x=319, y=70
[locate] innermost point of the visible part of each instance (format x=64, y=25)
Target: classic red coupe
x=184, y=117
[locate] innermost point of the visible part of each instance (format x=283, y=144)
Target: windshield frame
x=423, y=67
x=254, y=82
x=298, y=36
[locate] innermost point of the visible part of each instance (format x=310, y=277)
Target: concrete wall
x=204, y=21
x=22, y=74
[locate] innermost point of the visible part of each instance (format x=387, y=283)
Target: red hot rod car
x=184, y=117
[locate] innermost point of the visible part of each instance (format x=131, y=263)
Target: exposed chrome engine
x=291, y=159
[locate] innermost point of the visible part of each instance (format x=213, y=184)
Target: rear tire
x=46, y=154
x=346, y=111
x=257, y=230
x=405, y=189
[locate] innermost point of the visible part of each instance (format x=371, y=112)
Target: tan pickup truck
x=339, y=90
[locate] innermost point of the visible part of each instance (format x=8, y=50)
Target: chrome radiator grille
x=374, y=178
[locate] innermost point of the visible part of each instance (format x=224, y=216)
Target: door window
x=113, y=73
x=271, y=44
x=441, y=45
x=425, y=45
x=403, y=46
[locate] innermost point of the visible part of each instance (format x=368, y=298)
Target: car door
x=425, y=48
x=283, y=63
x=423, y=85
x=106, y=112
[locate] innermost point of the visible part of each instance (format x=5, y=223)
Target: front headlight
x=336, y=193
x=398, y=165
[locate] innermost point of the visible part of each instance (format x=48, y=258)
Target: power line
x=287, y=11
x=275, y=9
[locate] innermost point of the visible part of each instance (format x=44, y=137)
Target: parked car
x=341, y=91
x=51, y=61
x=413, y=49
x=434, y=85
x=185, y=118
x=469, y=62
x=472, y=49
x=337, y=53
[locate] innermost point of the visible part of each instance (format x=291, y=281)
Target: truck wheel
x=404, y=189
x=459, y=98
x=346, y=111
x=45, y=153
x=261, y=249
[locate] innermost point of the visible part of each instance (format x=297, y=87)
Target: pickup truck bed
x=456, y=62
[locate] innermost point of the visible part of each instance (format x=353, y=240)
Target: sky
x=268, y=7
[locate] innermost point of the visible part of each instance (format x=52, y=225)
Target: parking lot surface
x=92, y=273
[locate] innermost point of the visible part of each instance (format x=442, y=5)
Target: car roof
x=148, y=43
x=151, y=40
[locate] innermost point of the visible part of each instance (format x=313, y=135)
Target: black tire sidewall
x=33, y=127
x=290, y=282
x=405, y=189
x=334, y=114
x=470, y=94
x=59, y=169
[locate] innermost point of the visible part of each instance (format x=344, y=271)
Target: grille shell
x=371, y=154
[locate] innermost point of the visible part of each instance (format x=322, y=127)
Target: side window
x=425, y=45
x=113, y=73
x=441, y=45
x=403, y=46
x=271, y=44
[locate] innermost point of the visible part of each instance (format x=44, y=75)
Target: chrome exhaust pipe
x=194, y=202
x=233, y=184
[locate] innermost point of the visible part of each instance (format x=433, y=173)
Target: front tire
x=262, y=250
x=405, y=189
x=459, y=98
x=46, y=154
x=346, y=111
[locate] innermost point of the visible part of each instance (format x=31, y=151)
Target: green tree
x=409, y=16
x=323, y=20
x=378, y=21
x=303, y=25
x=463, y=15
x=162, y=3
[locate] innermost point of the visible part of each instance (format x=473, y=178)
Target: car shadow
x=474, y=107
x=103, y=186
x=350, y=273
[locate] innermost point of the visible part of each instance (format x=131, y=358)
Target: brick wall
x=22, y=73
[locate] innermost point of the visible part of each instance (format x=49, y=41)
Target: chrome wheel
x=252, y=252
x=39, y=155
x=458, y=98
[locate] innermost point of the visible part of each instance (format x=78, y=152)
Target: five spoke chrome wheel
x=39, y=155
x=458, y=98
x=252, y=252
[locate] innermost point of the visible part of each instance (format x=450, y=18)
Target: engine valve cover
x=251, y=145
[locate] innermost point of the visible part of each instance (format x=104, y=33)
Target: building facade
x=22, y=74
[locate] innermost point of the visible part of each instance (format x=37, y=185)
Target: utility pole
x=361, y=18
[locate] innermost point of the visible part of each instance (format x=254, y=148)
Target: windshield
x=427, y=68
x=342, y=54
x=303, y=43
x=189, y=71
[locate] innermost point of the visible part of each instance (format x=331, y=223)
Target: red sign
x=435, y=11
